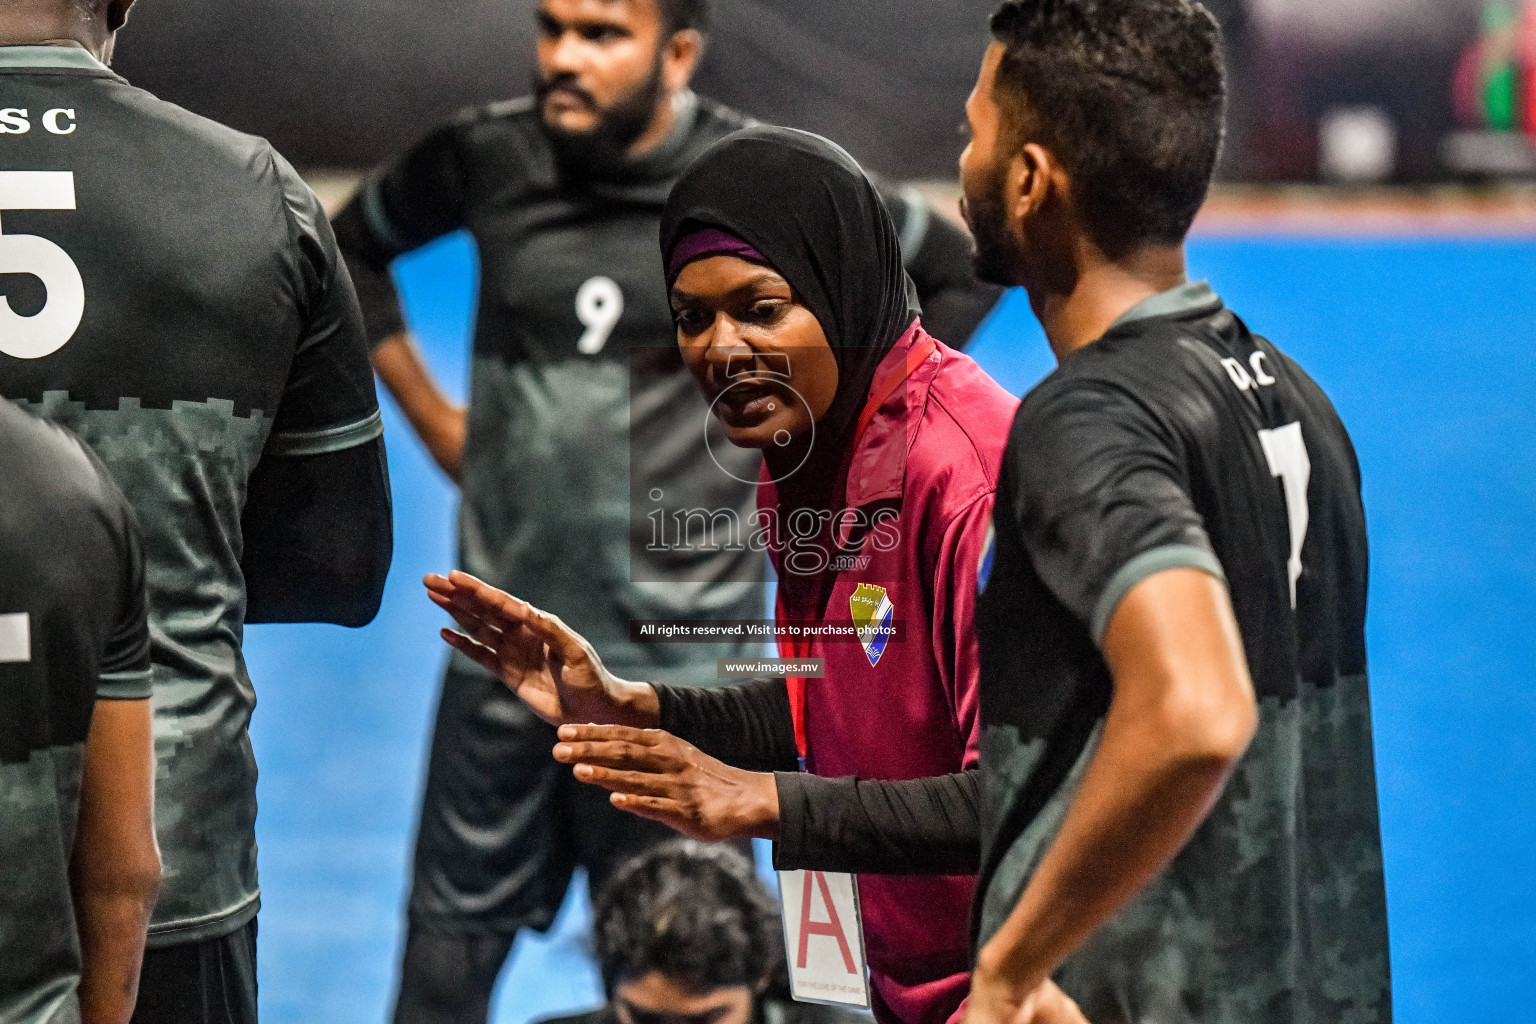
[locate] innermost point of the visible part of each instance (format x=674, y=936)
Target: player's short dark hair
x=695, y=913
x=677, y=15
x=1129, y=95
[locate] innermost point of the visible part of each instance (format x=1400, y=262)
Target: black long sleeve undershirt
x=926, y=826
x=907, y=827
x=747, y=726
x=318, y=536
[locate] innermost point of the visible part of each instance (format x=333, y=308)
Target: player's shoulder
x=497, y=121
x=207, y=146
x=1306, y=388
x=31, y=446
x=714, y=120
x=504, y=140
x=1096, y=406
x=708, y=123
x=1203, y=369
x=514, y=114
x=1311, y=402
x=221, y=157
x=1149, y=365
x=53, y=466
x=1085, y=382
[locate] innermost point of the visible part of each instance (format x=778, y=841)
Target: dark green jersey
x=72, y=631
x=1180, y=439
x=194, y=324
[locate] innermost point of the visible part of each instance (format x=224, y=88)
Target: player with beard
x=1179, y=816
x=577, y=388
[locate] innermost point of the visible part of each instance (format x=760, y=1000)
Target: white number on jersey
x=32, y=337
x=15, y=638
x=1288, y=460
x=599, y=304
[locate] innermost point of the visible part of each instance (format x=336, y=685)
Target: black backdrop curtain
x=342, y=83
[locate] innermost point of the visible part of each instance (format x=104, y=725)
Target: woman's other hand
x=545, y=662
x=658, y=776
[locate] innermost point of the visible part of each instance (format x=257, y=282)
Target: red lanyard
x=801, y=648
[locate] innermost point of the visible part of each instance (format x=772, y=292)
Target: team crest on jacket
x=872, y=617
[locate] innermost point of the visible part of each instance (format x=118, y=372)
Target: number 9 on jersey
x=599, y=304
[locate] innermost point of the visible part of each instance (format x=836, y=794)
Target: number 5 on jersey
x=32, y=337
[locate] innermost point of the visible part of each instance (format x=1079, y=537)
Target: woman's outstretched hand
x=658, y=776
x=546, y=663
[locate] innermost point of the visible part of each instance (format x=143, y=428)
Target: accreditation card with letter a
x=824, y=938
x=823, y=929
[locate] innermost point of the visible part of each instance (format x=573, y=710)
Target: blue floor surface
x=1425, y=346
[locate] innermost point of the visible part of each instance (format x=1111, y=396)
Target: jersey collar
x=49, y=57
x=1186, y=298
x=666, y=160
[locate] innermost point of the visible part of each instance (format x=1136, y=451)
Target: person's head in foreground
x=687, y=934
x=610, y=72
x=786, y=279
x=1095, y=128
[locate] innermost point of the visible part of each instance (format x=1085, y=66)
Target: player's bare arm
x=437, y=420
x=658, y=776
x=115, y=868
x=1182, y=714
x=545, y=662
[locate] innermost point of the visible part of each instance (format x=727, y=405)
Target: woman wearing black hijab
x=881, y=449
x=807, y=203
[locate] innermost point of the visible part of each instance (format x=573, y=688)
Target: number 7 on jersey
x=1286, y=451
